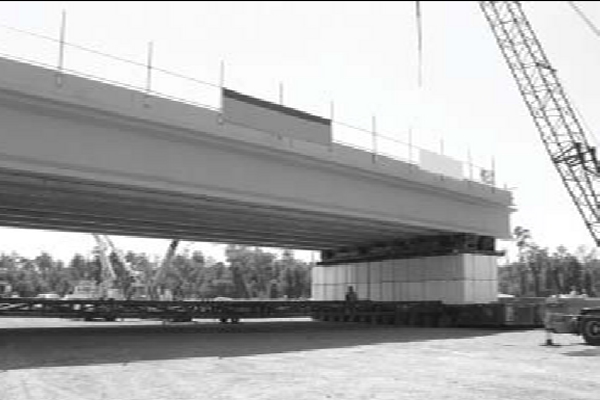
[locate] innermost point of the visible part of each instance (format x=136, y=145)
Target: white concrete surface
x=184, y=174
x=452, y=279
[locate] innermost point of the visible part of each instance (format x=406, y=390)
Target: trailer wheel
x=591, y=331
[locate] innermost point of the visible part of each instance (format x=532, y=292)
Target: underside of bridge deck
x=45, y=202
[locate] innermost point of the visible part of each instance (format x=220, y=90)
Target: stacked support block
x=452, y=279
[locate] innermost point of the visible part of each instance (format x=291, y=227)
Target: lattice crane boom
x=108, y=273
x=161, y=272
x=555, y=118
x=121, y=257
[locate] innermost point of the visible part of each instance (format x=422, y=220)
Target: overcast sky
x=361, y=55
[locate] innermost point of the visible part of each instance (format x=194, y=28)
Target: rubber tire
x=590, y=331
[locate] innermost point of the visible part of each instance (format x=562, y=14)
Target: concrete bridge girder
x=87, y=155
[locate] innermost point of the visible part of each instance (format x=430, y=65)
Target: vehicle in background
x=5, y=286
x=5, y=289
x=574, y=315
x=48, y=296
x=85, y=289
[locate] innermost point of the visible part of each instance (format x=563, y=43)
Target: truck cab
x=578, y=316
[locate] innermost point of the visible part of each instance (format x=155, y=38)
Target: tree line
x=253, y=273
x=541, y=272
x=246, y=272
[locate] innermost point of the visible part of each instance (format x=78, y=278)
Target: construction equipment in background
x=107, y=286
x=135, y=288
x=574, y=315
x=110, y=286
x=555, y=118
x=156, y=289
x=84, y=289
x=5, y=286
x=565, y=140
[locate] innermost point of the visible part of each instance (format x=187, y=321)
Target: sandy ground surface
x=44, y=359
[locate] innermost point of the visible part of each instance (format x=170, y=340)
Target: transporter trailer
x=526, y=313
x=576, y=316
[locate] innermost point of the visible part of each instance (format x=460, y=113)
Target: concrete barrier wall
x=441, y=164
x=269, y=117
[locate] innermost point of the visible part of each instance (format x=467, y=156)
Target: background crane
x=557, y=123
x=133, y=285
x=107, y=285
x=155, y=290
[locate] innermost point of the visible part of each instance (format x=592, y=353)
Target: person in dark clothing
x=351, y=294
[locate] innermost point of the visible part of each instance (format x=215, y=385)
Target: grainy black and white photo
x=299, y=200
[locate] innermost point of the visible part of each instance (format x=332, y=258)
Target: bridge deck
x=85, y=156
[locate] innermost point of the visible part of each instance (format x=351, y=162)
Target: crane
x=109, y=275
x=120, y=256
x=563, y=135
x=555, y=118
x=159, y=275
x=137, y=289
x=5, y=286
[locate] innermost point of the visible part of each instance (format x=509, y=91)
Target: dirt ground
x=44, y=359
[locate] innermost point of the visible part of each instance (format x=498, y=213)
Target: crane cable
x=415, y=113
x=419, y=44
x=585, y=18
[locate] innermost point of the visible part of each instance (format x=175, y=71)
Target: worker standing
x=351, y=295
x=549, y=317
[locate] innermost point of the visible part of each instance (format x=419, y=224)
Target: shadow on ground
x=68, y=346
x=593, y=352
